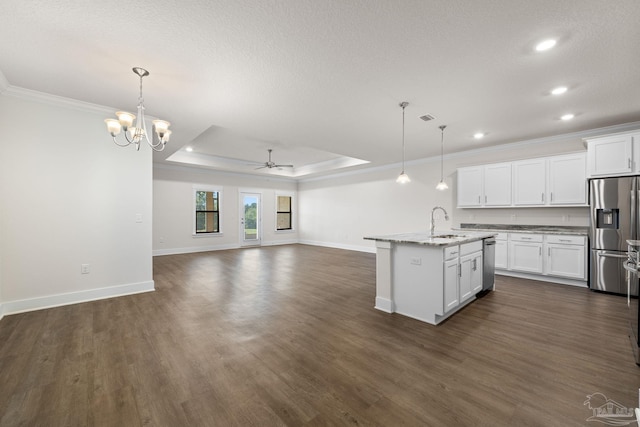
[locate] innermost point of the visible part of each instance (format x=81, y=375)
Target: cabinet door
x=610, y=155
x=566, y=261
x=497, y=184
x=451, y=299
x=568, y=180
x=525, y=257
x=502, y=260
x=529, y=182
x=466, y=266
x=476, y=273
x=469, y=186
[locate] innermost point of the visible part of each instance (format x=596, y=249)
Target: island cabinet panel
x=418, y=278
x=451, y=280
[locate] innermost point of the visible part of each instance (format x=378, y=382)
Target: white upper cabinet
x=567, y=179
x=470, y=186
x=497, y=184
x=612, y=155
x=547, y=181
x=529, y=182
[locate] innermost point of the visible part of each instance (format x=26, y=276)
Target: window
x=284, y=214
x=207, y=210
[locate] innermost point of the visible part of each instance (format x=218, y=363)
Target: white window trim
x=293, y=212
x=200, y=187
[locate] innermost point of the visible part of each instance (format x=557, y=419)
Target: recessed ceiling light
x=567, y=117
x=559, y=90
x=189, y=149
x=545, y=45
x=478, y=135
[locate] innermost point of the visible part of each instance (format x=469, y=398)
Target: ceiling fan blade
x=261, y=167
x=283, y=166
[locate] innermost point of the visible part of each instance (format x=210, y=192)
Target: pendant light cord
x=442, y=152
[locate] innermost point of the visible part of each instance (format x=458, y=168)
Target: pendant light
x=403, y=178
x=442, y=185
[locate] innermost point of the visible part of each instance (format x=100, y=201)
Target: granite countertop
x=546, y=229
x=440, y=237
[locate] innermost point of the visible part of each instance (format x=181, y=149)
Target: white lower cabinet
x=566, y=256
x=462, y=273
x=470, y=275
x=502, y=252
x=525, y=253
x=551, y=257
x=451, y=299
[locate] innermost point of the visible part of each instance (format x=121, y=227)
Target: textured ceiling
x=321, y=80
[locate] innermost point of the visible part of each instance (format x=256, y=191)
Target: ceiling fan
x=271, y=164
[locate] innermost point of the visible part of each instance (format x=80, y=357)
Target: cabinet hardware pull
x=629, y=162
x=540, y=251
x=459, y=270
x=485, y=199
x=542, y=197
x=548, y=252
x=551, y=194
x=478, y=199
x=565, y=240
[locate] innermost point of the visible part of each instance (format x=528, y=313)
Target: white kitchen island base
x=428, y=278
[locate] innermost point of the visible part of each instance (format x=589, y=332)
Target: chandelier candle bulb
x=126, y=119
x=113, y=126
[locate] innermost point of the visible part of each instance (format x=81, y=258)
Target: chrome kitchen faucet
x=433, y=222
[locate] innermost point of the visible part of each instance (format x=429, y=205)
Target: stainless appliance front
x=613, y=220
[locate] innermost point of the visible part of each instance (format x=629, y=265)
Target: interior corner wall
x=339, y=211
x=69, y=197
x=174, y=210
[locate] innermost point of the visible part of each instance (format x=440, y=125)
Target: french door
x=250, y=219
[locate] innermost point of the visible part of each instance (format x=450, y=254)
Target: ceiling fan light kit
x=138, y=132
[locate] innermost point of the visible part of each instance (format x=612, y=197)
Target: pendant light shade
x=403, y=178
x=442, y=186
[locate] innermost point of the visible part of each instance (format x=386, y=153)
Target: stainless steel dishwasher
x=488, y=265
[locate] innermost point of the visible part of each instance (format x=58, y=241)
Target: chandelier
x=138, y=132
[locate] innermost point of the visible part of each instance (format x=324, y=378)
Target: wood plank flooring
x=288, y=336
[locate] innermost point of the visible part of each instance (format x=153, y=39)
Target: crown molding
x=624, y=127
x=55, y=100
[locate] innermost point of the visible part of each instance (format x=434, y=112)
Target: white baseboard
x=384, y=304
x=357, y=248
x=196, y=249
x=550, y=279
x=40, y=303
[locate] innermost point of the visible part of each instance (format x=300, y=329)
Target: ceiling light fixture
x=559, y=90
x=545, y=45
x=139, y=131
x=403, y=178
x=442, y=185
x=478, y=135
x=567, y=117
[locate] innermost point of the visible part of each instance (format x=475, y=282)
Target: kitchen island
x=428, y=276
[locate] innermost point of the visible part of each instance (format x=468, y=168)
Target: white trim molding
x=50, y=301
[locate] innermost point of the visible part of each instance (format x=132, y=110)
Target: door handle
x=612, y=256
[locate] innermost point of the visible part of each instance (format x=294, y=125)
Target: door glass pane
x=250, y=218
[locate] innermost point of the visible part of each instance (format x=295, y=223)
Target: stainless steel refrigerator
x=614, y=219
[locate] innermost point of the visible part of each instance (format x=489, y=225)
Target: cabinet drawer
x=451, y=252
x=565, y=239
x=524, y=237
x=469, y=248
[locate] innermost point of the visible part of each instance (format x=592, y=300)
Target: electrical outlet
x=161, y=239
x=416, y=261
x=84, y=269
x=514, y=217
x=138, y=217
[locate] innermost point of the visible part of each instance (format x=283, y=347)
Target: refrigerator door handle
x=613, y=255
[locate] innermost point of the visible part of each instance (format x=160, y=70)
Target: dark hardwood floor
x=288, y=335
